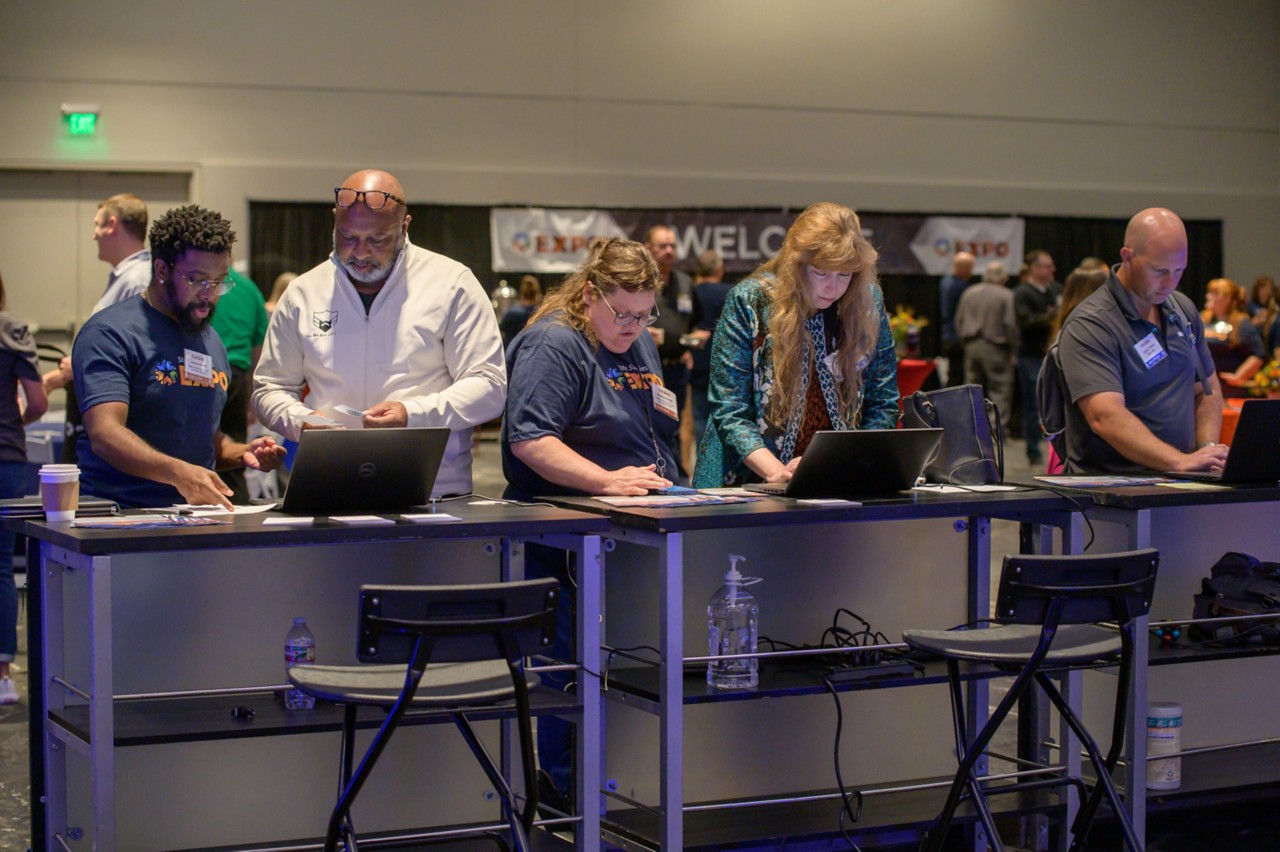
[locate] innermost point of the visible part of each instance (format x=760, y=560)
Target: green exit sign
x=82, y=123
x=82, y=118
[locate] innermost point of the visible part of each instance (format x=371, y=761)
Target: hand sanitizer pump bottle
x=732, y=628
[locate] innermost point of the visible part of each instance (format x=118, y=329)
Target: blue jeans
x=13, y=482
x=1028, y=370
x=555, y=734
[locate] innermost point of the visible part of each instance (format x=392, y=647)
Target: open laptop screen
x=341, y=471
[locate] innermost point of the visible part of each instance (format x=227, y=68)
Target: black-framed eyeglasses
x=645, y=320
x=374, y=199
x=214, y=287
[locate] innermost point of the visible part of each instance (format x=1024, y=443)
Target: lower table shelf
x=174, y=720
x=889, y=818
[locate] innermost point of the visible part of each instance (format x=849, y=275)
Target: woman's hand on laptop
x=766, y=466
x=386, y=415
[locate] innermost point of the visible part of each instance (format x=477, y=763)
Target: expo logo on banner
x=940, y=237
x=535, y=239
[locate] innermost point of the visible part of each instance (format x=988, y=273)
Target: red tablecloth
x=912, y=374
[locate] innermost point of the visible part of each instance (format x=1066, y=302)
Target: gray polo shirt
x=1104, y=346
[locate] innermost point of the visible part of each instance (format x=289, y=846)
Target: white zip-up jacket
x=430, y=341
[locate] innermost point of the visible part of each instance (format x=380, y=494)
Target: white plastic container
x=1164, y=736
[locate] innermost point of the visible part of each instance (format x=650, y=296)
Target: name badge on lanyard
x=664, y=401
x=198, y=365
x=1150, y=350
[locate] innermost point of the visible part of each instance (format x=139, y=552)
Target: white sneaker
x=8, y=693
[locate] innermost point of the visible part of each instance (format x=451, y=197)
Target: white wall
x=1081, y=108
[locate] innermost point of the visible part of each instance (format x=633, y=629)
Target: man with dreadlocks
x=151, y=376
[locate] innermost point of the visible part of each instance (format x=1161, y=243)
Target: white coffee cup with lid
x=59, y=491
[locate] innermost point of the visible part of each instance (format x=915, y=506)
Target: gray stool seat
x=442, y=685
x=1013, y=644
x=455, y=648
x=1049, y=614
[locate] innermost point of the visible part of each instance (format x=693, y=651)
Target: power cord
x=847, y=797
x=1070, y=498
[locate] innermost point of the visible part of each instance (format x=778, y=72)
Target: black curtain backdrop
x=295, y=236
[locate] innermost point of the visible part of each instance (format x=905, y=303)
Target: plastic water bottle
x=299, y=650
x=732, y=627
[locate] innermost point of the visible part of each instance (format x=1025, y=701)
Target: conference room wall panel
x=990, y=106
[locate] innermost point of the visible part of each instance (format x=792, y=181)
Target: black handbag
x=972, y=448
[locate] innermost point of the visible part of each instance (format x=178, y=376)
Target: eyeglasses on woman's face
x=645, y=320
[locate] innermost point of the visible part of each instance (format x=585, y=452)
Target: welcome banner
x=535, y=239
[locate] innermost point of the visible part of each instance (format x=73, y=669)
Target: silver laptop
x=857, y=463
x=1254, y=455
x=345, y=471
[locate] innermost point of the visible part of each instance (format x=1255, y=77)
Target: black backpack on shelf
x=1239, y=584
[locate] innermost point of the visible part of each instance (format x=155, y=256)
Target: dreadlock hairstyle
x=189, y=227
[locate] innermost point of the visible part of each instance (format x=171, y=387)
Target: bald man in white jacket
x=403, y=334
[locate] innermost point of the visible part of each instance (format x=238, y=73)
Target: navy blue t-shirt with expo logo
x=132, y=353
x=598, y=403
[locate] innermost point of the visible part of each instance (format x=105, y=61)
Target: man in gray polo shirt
x=1136, y=364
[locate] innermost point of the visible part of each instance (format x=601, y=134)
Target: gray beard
x=376, y=275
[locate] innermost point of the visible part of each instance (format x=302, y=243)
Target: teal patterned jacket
x=742, y=381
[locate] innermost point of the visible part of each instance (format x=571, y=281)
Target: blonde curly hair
x=612, y=263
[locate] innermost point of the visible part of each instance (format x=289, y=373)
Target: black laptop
x=358, y=471
x=857, y=463
x=1254, y=455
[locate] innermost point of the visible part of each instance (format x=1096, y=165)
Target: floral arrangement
x=904, y=324
x=1266, y=382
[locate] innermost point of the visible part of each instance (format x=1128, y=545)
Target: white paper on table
x=430, y=518
x=961, y=489
x=210, y=510
x=287, y=521
x=361, y=520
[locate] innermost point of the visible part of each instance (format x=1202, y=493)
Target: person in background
x=985, y=322
x=676, y=308
x=1264, y=309
x=586, y=414
x=950, y=288
x=1079, y=286
x=283, y=280
x=515, y=319
x=708, y=284
x=152, y=377
x=1035, y=304
x=1262, y=298
x=1237, y=347
x=120, y=230
x=20, y=372
x=406, y=336
x=1136, y=366
x=802, y=345
x=241, y=321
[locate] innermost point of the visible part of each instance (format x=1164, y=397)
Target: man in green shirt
x=241, y=321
